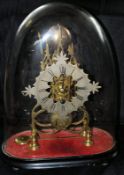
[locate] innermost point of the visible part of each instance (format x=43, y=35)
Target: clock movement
x=60, y=91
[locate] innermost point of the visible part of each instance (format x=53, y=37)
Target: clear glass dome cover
x=60, y=84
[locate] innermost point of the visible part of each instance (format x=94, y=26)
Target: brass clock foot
x=89, y=141
x=34, y=146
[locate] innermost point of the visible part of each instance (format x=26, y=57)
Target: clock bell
x=60, y=91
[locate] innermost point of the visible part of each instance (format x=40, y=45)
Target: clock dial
x=62, y=87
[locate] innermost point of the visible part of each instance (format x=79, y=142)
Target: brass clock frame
x=62, y=89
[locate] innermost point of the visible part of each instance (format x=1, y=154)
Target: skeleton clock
x=60, y=91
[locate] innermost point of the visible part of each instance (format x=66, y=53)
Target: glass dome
x=60, y=88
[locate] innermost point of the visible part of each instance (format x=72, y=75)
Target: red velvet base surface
x=61, y=144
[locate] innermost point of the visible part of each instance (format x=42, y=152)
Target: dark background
x=111, y=15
